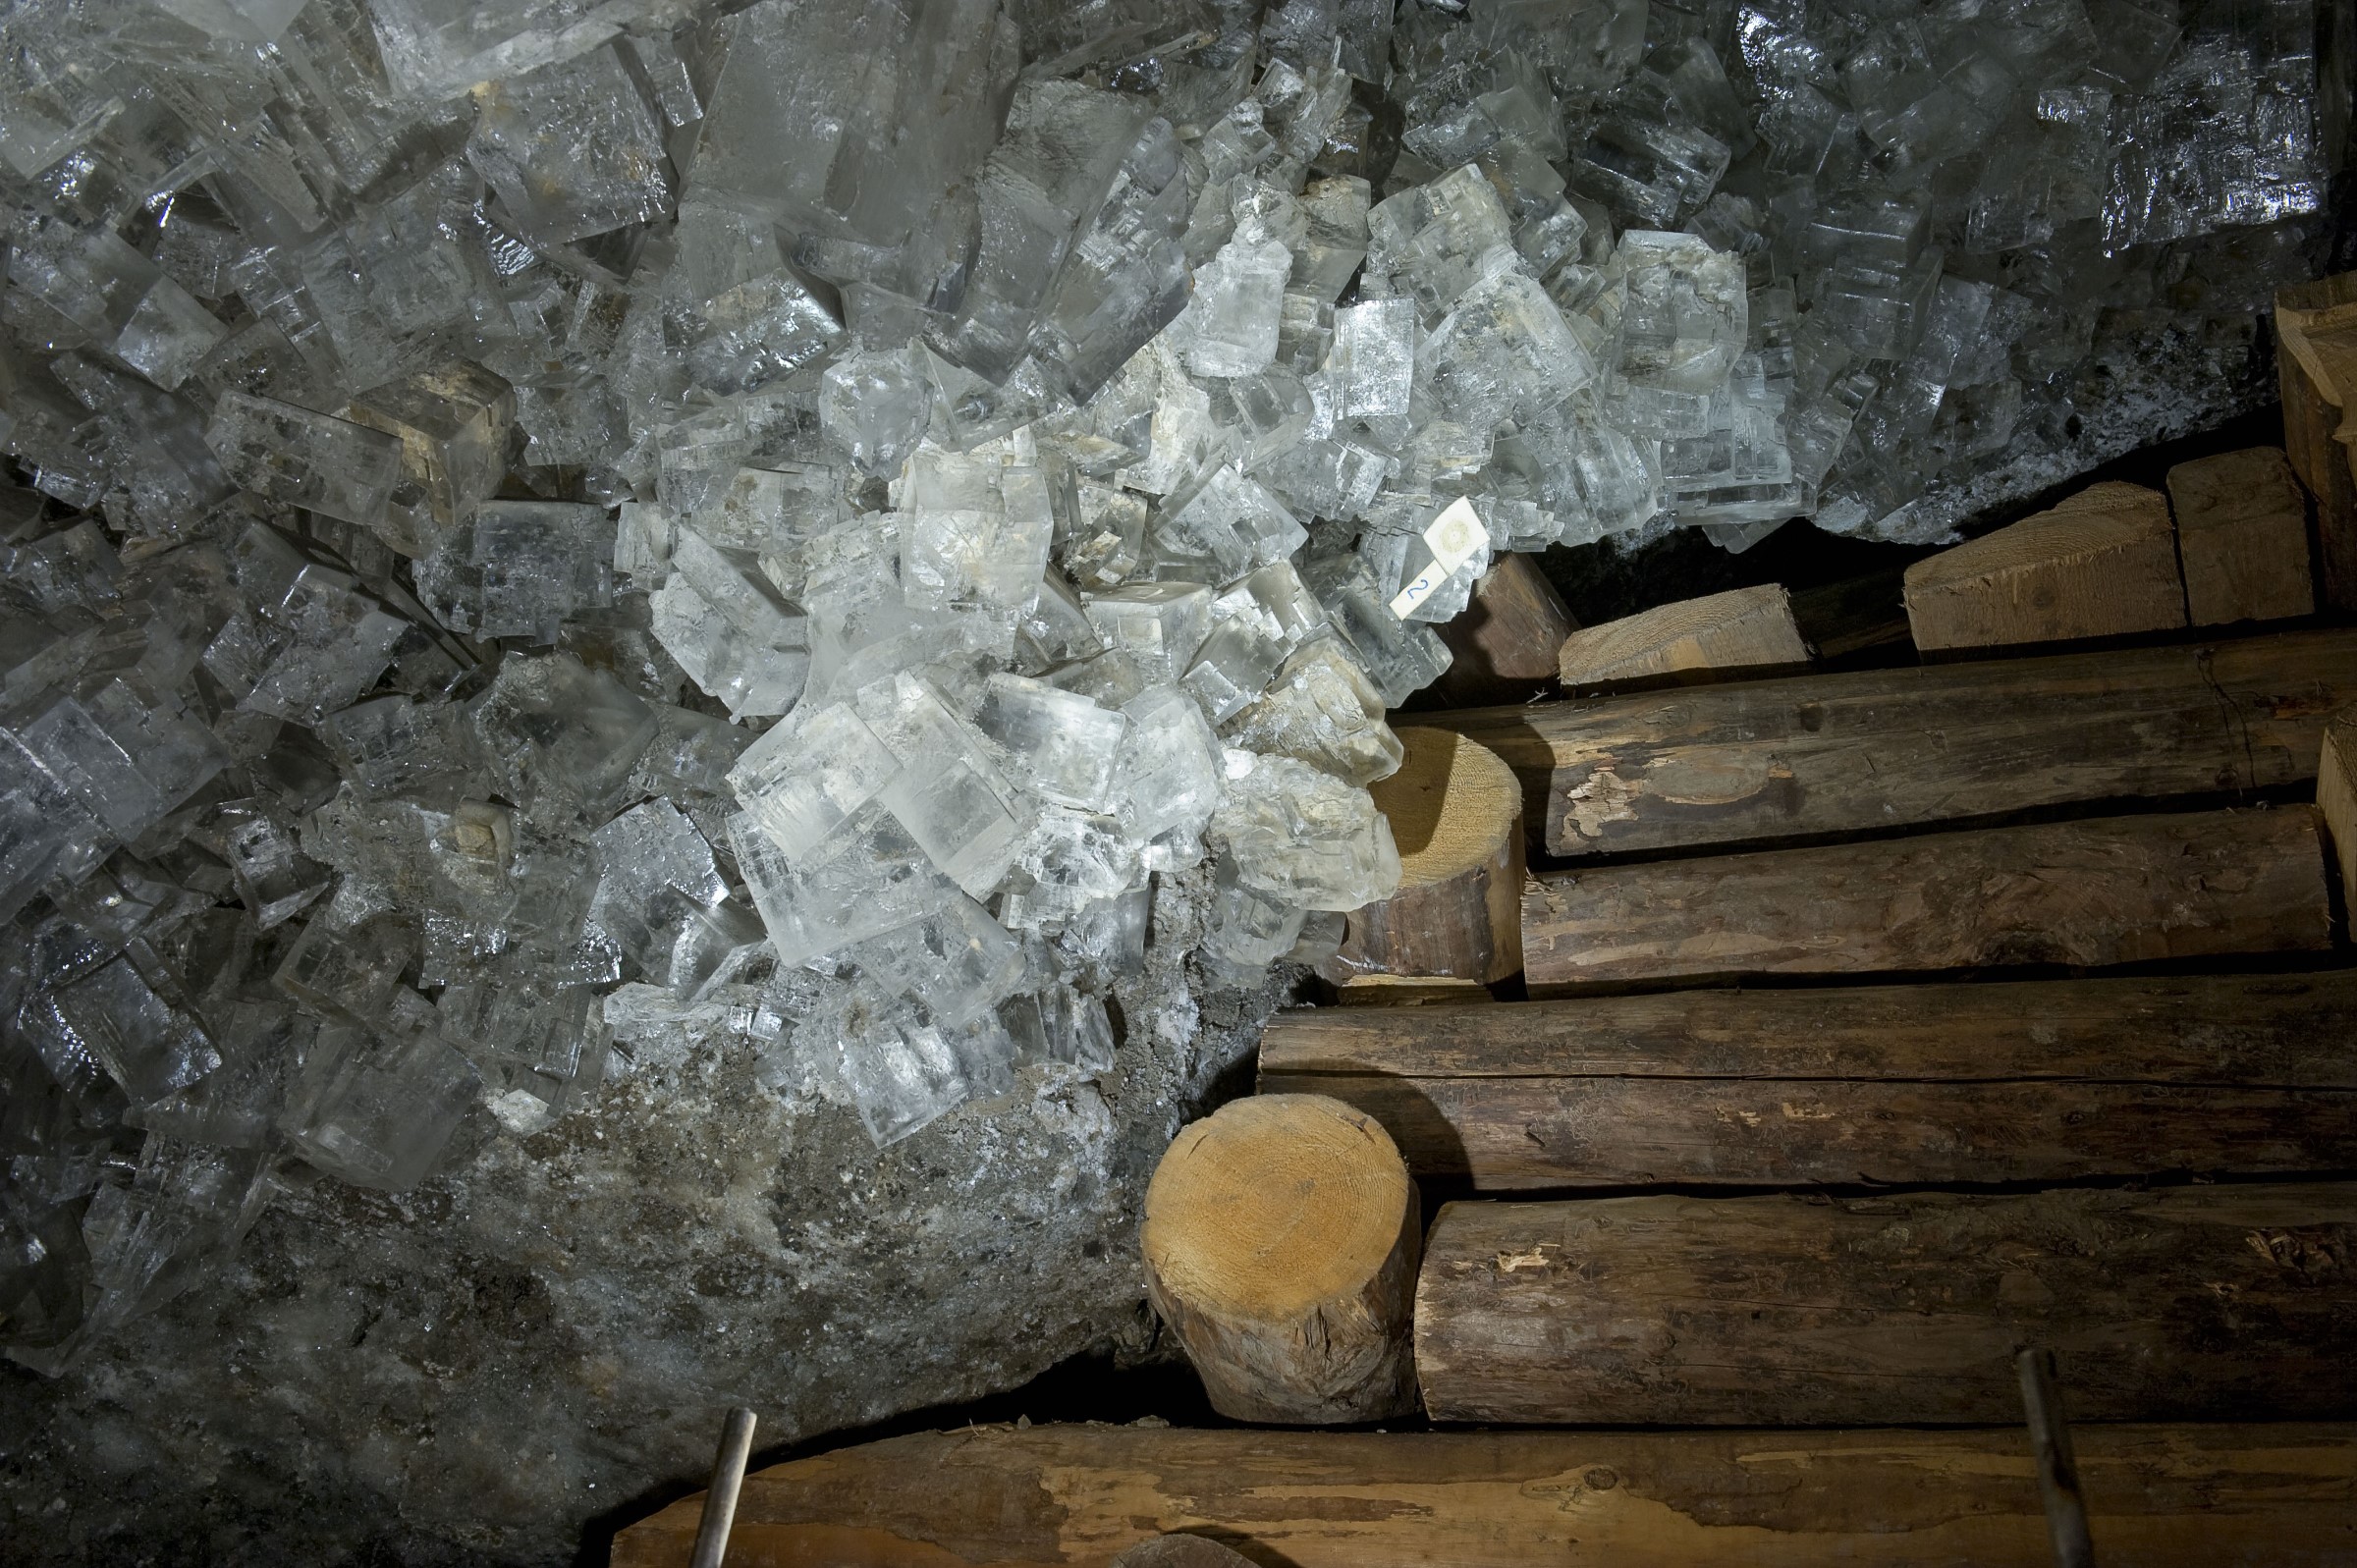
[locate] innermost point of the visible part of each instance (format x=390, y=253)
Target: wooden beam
x=1745, y=630
x=1505, y=641
x=1076, y=1496
x=2242, y=537
x=2098, y=565
x=2336, y=797
x=1870, y=750
x=1907, y=1085
x=1281, y=1239
x=2188, y=1302
x=2111, y=891
x=2314, y=417
x=1455, y=813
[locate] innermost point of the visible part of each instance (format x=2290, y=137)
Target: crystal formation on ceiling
x=548, y=520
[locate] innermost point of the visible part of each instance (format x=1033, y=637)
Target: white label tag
x=1454, y=537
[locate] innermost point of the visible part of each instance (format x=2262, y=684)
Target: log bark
x=1074, y=1496
x=2242, y=537
x=1281, y=1240
x=1871, y=750
x=2101, y=564
x=1455, y=813
x=1506, y=641
x=2111, y=891
x=2314, y=416
x=1904, y=1085
x=1748, y=630
x=2336, y=797
x=2187, y=1303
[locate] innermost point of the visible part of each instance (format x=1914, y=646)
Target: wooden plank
x=2101, y=564
x=2110, y=890
x=1870, y=750
x=2242, y=537
x=2313, y=418
x=1746, y=629
x=2188, y=1302
x=2282, y=1496
x=2020, y=1081
x=1408, y=991
x=1503, y=644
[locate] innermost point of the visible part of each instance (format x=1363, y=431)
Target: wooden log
x=2098, y=565
x=1413, y=991
x=2336, y=797
x=1505, y=642
x=1871, y=750
x=2110, y=890
x=2183, y=1303
x=1281, y=1239
x=2314, y=417
x=1904, y=1085
x=1074, y=1496
x=2242, y=537
x=1456, y=812
x=1747, y=630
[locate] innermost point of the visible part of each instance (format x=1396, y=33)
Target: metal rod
x=2058, y=1466
x=719, y=1504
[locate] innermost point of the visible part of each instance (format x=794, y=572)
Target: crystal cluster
x=539, y=520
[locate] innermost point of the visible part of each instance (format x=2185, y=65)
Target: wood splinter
x=1281, y=1239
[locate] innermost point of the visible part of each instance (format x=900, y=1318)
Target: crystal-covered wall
x=670, y=672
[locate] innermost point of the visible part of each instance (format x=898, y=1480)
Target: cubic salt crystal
x=452, y=423
x=433, y=48
x=303, y=457
x=1168, y=778
x=947, y=793
x=519, y=568
x=730, y=631
x=1306, y=838
x=1064, y=746
x=573, y=148
x=1227, y=522
x=1160, y=624
x=1322, y=710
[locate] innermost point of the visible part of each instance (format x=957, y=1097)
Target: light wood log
x=1904, y=1085
x=2189, y=1302
x=2098, y=565
x=2111, y=891
x=1505, y=642
x=2336, y=796
x=1455, y=813
x=2314, y=416
x=1281, y=1239
x=2242, y=537
x=1414, y=991
x=1747, y=630
x=1871, y=750
x=1059, y=1496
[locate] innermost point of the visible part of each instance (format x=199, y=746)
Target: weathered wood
x=2111, y=891
x=1905, y=1085
x=2336, y=796
x=1743, y=630
x=1870, y=750
x=2313, y=419
x=1281, y=1239
x=1505, y=640
x=1411, y=990
x=2190, y=1302
x=1056, y=1496
x=2242, y=537
x=1455, y=813
x=2098, y=565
